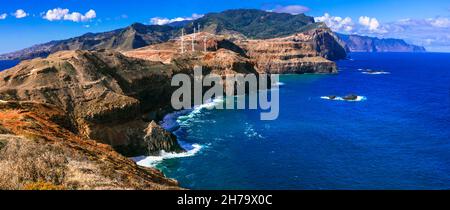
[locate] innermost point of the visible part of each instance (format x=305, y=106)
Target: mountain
x=249, y=23
x=356, y=43
x=254, y=24
x=134, y=36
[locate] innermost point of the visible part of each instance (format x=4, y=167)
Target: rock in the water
x=350, y=97
x=159, y=139
x=331, y=97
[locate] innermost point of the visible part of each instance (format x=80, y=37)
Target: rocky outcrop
x=300, y=53
x=159, y=139
x=213, y=52
x=356, y=43
x=38, y=152
x=104, y=93
x=112, y=98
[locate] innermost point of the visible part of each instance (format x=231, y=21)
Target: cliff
x=105, y=93
x=356, y=43
x=38, y=152
x=299, y=53
x=86, y=107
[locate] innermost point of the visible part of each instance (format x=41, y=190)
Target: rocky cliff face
x=104, y=93
x=159, y=139
x=355, y=43
x=221, y=57
x=38, y=151
x=300, y=53
x=102, y=97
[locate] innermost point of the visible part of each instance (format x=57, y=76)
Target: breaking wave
x=152, y=161
x=337, y=98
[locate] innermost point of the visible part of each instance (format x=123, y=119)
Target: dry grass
x=24, y=162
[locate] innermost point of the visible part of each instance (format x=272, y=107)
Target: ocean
x=6, y=64
x=396, y=136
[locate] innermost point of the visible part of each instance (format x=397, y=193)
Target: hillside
x=356, y=43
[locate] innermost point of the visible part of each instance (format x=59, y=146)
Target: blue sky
x=27, y=22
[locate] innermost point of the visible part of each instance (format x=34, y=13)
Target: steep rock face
x=37, y=151
x=355, y=43
x=104, y=93
x=326, y=43
x=300, y=53
x=159, y=139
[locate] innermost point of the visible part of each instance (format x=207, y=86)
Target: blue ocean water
x=6, y=64
x=397, y=138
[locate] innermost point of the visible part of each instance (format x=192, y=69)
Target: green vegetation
x=254, y=23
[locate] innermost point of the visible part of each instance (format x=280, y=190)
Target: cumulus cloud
x=371, y=23
x=65, y=14
x=440, y=22
x=20, y=13
x=3, y=16
x=336, y=23
x=164, y=21
x=291, y=9
x=346, y=25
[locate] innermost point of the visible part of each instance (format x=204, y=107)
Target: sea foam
x=182, y=118
x=152, y=161
x=377, y=73
x=359, y=98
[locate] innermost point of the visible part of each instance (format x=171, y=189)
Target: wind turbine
x=193, y=39
x=182, y=40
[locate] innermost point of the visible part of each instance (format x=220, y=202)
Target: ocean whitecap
x=152, y=161
x=338, y=98
x=376, y=72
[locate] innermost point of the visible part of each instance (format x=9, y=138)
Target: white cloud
x=440, y=22
x=64, y=14
x=365, y=24
x=371, y=23
x=291, y=9
x=3, y=16
x=337, y=23
x=20, y=13
x=164, y=21
x=432, y=33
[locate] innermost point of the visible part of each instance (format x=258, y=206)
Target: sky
x=27, y=22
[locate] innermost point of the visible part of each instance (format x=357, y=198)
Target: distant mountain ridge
x=250, y=23
x=357, y=43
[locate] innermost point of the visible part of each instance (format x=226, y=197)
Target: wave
x=378, y=72
x=250, y=132
x=337, y=98
x=279, y=84
x=152, y=161
x=210, y=104
x=172, y=122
